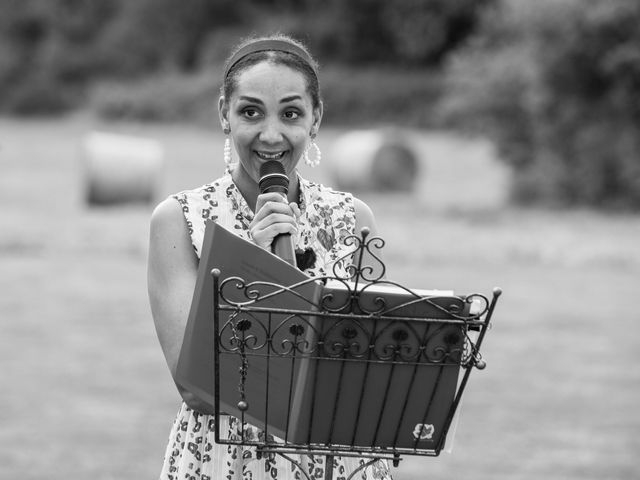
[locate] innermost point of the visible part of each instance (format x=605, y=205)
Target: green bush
x=171, y=97
x=403, y=32
x=48, y=52
x=377, y=96
x=556, y=84
x=52, y=52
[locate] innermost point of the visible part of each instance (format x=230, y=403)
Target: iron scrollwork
x=355, y=319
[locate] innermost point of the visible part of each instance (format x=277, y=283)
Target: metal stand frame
x=248, y=331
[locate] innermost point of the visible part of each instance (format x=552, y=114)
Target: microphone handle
x=282, y=246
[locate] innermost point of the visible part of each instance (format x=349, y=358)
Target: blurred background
x=497, y=141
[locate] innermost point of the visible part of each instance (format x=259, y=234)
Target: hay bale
x=121, y=168
x=374, y=160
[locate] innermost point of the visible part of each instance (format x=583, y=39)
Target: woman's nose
x=271, y=131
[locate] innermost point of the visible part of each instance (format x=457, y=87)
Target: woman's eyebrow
x=290, y=98
x=251, y=99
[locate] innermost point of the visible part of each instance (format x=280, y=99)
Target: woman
x=271, y=109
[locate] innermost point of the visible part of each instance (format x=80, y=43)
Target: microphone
x=274, y=179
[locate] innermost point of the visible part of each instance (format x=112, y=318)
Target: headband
x=270, y=45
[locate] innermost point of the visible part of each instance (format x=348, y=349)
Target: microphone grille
x=273, y=177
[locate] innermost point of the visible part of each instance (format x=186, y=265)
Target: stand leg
x=328, y=467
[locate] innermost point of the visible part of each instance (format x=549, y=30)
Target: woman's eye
x=250, y=112
x=291, y=115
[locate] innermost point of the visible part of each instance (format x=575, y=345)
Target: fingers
x=271, y=203
x=273, y=216
x=264, y=235
x=296, y=210
x=265, y=198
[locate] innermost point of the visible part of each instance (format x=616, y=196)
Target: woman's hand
x=274, y=216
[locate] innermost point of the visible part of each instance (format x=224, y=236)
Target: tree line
x=50, y=51
x=554, y=83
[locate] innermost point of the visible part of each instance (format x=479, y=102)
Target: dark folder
x=381, y=382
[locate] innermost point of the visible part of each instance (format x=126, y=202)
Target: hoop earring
x=312, y=162
x=227, y=150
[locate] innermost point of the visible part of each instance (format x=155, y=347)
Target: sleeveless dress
x=327, y=217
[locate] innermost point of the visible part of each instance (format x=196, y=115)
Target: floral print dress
x=327, y=217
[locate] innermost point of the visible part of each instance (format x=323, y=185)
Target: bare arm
x=171, y=277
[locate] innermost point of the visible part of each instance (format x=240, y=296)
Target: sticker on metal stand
x=423, y=431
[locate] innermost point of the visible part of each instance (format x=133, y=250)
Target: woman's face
x=271, y=117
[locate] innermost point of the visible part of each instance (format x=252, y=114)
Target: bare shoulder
x=167, y=215
x=170, y=247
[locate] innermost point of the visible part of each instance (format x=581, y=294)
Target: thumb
x=295, y=209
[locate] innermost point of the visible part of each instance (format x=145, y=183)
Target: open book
x=269, y=376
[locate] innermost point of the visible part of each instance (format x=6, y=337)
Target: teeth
x=270, y=156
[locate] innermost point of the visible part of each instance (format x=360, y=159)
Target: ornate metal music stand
x=353, y=339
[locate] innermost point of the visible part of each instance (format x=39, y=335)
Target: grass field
x=86, y=394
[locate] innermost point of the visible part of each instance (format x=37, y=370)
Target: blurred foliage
x=556, y=84
x=52, y=52
x=408, y=32
x=350, y=97
x=355, y=96
x=172, y=97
